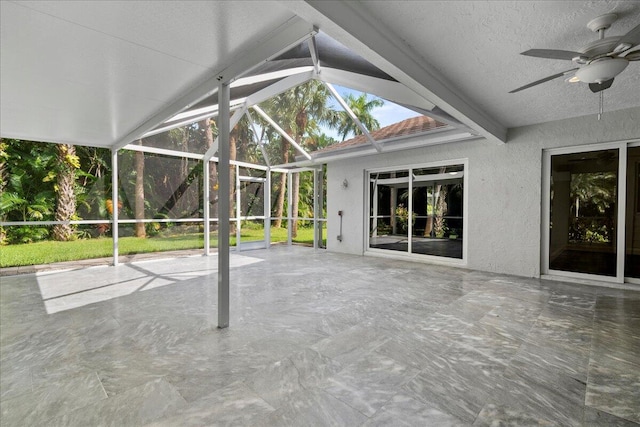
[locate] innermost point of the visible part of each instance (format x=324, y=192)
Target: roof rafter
x=279, y=87
x=210, y=112
x=313, y=51
x=353, y=27
x=258, y=140
x=351, y=114
x=281, y=131
x=291, y=33
x=233, y=121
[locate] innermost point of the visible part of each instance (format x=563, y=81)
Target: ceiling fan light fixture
x=602, y=70
x=574, y=79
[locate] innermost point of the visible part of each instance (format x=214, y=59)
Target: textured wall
x=504, y=185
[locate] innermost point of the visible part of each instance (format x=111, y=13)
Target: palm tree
x=67, y=164
x=140, y=230
x=362, y=106
x=297, y=111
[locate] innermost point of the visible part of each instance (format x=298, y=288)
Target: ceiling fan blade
x=552, y=54
x=632, y=38
x=599, y=87
x=632, y=54
x=546, y=79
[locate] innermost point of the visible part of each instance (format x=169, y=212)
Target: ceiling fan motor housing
x=601, y=70
x=600, y=47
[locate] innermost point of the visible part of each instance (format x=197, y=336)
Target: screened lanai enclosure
x=243, y=165
x=166, y=182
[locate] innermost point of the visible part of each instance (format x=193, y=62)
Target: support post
x=267, y=210
x=205, y=205
x=289, y=210
x=321, y=224
x=224, y=192
x=315, y=209
x=238, y=209
x=115, y=204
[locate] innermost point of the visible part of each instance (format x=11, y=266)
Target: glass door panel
x=583, y=215
x=389, y=211
x=632, y=230
x=437, y=211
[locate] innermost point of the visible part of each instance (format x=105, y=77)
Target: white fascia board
x=348, y=23
x=387, y=89
x=393, y=144
x=290, y=34
x=279, y=87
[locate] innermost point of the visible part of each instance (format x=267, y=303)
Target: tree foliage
x=58, y=182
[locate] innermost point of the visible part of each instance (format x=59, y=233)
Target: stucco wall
x=504, y=186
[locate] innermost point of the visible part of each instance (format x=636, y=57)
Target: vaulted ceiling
x=104, y=73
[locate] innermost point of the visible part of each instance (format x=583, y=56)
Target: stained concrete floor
x=316, y=338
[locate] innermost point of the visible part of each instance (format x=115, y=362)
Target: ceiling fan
x=597, y=62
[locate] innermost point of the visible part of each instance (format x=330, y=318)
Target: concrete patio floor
x=316, y=338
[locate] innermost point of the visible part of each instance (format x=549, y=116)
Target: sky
x=388, y=114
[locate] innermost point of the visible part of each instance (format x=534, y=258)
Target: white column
x=238, y=208
x=224, y=193
x=267, y=210
x=289, y=210
x=205, y=203
x=315, y=210
x=114, y=200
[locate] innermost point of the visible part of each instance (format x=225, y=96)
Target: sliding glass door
x=632, y=230
x=418, y=210
x=593, y=213
x=584, y=212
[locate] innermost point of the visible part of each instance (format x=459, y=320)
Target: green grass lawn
x=51, y=251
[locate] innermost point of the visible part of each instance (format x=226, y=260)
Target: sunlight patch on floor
x=65, y=290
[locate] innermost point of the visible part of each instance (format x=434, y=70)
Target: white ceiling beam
x=232, y=123
x=162, y=151
x=291, y=33
x=212, y=112
x=351, y=114
x=282, y=132
x=245, y=81
x=278, y=87
x=350, y=24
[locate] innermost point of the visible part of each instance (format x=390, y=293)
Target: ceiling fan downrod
x=601, y=105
